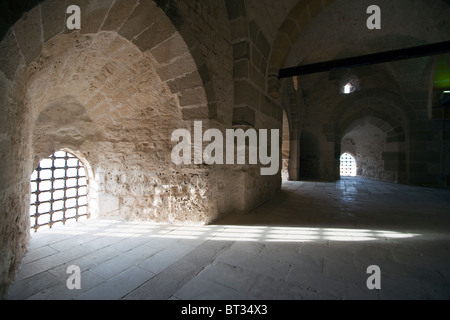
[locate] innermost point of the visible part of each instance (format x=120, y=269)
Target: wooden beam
x=370, y=59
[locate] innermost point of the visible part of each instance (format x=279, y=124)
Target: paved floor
x=314, y=241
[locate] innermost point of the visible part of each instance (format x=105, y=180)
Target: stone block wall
x=15, y=164
x=113, y=93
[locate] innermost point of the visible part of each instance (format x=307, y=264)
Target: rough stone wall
x=123, y=128
x=113, y=93
x=113, y=101
x=15, y=162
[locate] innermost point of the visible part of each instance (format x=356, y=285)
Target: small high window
x=348, y=88
x=348, y=165
x=349, y=85
x=59, y=190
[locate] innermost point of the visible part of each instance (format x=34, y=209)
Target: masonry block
x=244, y=116
x=239, y=29
x=94, y=15
x=118, y=14
x=246, y=93
x=145, y=14
x=195, y=114
x=53, y=16
x=241, y=69
x=156, y=34
x=266, y=105
x=181, y=66
x=28, y=33
x=10, y=55
x=241, y=50
x=263, y=45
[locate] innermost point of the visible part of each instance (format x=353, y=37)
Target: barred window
x=348, y=165
x=59, y=190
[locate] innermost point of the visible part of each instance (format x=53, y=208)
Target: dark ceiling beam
x=370, y=59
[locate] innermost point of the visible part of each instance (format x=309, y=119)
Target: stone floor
x=314, y=241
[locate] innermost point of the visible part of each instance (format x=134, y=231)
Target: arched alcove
x=378, y=154
x=112, y=92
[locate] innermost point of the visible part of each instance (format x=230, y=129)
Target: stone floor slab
x=314, y=240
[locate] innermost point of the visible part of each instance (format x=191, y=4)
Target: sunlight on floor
x=230, y=233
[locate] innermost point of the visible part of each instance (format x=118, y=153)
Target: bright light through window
x=348, y=88
x=348, y=165
x=238, y=233
x=59, y=189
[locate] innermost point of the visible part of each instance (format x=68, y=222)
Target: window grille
x=348, y=165
x=59, y=190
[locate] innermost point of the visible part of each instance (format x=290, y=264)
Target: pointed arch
x=296, y=21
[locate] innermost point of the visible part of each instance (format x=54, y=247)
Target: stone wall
x=100, y=103
x=15, y=164
x=113, y=93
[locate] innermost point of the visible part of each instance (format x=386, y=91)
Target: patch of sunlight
x=235, y=233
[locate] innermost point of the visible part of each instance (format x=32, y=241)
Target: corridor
x=315, y=240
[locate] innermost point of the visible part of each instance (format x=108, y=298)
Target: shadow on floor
x=352, y=203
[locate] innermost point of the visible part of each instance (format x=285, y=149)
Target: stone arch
x=379, y=103
x=386, y=127
x=383, y=155
x=154, y=27
x=384, y=113
x=168, y=52
x=101, y=95
x=297, y=20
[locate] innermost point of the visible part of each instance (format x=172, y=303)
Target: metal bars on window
x=348, y=165
x=59, y=190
